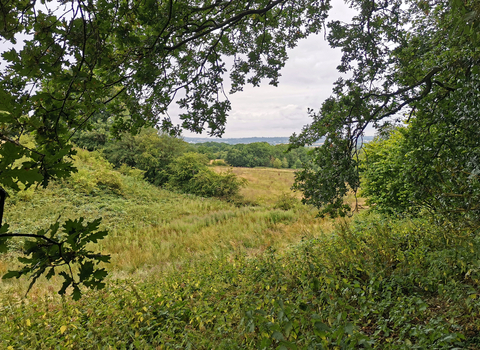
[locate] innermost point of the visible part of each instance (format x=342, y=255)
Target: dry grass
x=152, y=230
x=265, y=185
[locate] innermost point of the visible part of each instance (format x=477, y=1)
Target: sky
x=307, y=80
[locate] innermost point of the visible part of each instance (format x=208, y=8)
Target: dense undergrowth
x=375, y=284
x=244, y=278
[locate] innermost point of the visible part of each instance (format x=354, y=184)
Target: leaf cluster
x=377, y=284
x=413, y=62
x=54, y=251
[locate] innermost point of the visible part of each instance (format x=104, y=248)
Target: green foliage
x=149, y=151
x=95, y=174
x=255, y=154
x=383, y=179
x=131, y=172
x=210, y=184
x=52, y=249
x=218, y=162
x=419, y=65
x=189, y=173
x=377, y=284
x=277, y=163
x=96, y=134
x=405, y=174
x=297, y=165
x=184, y=168
x=213, y=150
x=286, y=202
x=328, y=178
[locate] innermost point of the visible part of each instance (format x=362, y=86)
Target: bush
x=286, y=202
x=382, y=184
x=182, y=169
x=277, y=163
x=132, y=172
x=189, y=173
x=218, y=162
x=210, y=184
x=94, y=173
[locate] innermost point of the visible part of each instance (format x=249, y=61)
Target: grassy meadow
x=152, y=230
x=265, y=185
x=259, y=273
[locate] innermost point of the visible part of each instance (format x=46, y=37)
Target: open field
x=265, y=185
x=153, y=230
x=196, y=273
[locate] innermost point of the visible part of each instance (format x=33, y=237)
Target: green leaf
x=86, y=270
x=12, y=274
x=4, y=228
x=76, y=294
x=287, y=345
x=100, y=274
x=50, y=273
x=322, y=327
x=3, y=245
x=66, y=283
x=277, y=336
x=349, y=328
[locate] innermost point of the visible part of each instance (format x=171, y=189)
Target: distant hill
x=270, y=140
x=234, y=141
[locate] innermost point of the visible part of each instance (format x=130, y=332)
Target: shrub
x=277, y=163
x=286, y=202
x=94, y=172
x=210, y=184
x=219, y=162
x=132, y=172
x=182, y=169
x=189, y=173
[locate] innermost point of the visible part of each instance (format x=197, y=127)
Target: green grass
x=376, y=284
x=265, y=185
x=150, y=229
x=196, y=273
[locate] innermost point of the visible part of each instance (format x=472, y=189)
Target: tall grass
x=153, y=230
x=375, y=283
x=265, y=185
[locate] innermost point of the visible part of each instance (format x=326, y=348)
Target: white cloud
x=307, y=80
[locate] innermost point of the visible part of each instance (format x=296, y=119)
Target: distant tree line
x=257, y=154
x=165, y=160
x=174, y=164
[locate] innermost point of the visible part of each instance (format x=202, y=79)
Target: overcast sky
x=307, y=80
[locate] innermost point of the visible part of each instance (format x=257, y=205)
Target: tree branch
x=29, y=235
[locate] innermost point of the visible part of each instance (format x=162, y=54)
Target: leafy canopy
x=415, y=62
x=132, y=58
x=129, y=60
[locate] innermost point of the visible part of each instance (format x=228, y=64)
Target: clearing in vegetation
x=192, y=272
